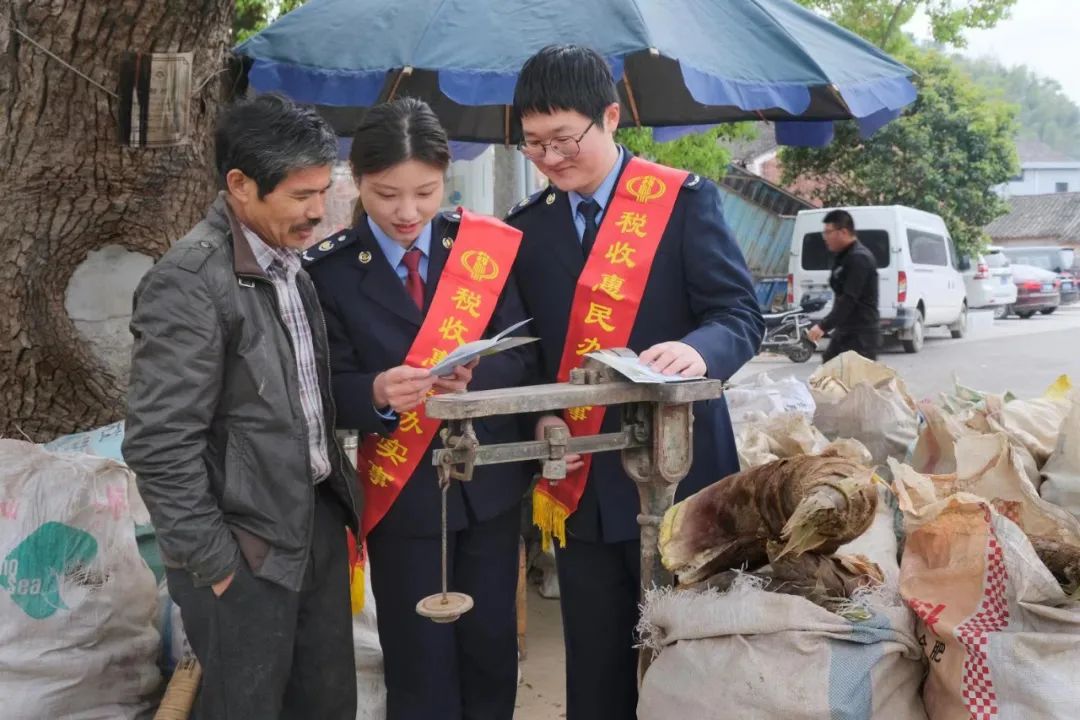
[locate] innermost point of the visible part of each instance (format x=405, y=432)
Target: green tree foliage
x=1045, y=112
x=946, y=152
x=700, y=153
x=880, y=21
x=251, y=16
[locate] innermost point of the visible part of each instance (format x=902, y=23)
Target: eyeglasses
x=564, y=146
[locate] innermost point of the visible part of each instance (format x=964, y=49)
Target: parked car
x=1058, y=260
x=988, y=280
x=919, y=283
x=1037, y=290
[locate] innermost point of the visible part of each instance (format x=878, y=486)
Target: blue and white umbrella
x=679, y=63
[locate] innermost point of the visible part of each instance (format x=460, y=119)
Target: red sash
x=469, y=288
x=606, y=304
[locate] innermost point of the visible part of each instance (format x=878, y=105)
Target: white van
x=920, y=285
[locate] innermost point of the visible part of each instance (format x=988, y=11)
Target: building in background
x=1049, y=219
x=1043, y=171
x=761, y=157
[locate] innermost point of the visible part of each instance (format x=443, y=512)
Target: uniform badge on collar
x=550, y=199
x=448, y=242
x=325, y=245
x=364, y=257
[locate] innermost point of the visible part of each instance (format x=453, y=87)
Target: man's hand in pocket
x=221, y=586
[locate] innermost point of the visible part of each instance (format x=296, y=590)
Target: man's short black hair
x=841, y=220
x=565, y=77
x=268, y=137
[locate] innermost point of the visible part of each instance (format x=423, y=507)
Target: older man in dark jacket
x=230, y=430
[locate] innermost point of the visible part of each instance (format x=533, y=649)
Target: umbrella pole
x=630, y=97
x=403, y=73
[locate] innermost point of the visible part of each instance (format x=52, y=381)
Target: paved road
x=1023, y=356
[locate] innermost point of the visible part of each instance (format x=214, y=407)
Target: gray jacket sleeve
x=176, y=379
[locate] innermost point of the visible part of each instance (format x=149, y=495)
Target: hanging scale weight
x=444, y=607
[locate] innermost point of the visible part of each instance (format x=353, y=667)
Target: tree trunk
x=894, y=21
x=68, y=187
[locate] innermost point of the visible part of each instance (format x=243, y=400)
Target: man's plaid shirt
x=281, y=265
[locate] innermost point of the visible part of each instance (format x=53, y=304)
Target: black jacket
x=372, y=324
x=699, y=292
x=854, y=282
x=215, y=429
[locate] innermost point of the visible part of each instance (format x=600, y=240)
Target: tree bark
x=894, y=21
x=68, y=187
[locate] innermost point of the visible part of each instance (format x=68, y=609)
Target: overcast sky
x=1042, y=34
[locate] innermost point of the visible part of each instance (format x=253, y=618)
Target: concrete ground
x=542, y=692
x=1023, y=356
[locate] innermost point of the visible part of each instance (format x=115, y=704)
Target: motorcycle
x=786, y=332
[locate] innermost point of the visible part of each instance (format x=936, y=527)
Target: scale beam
x=536, y=450
x=559, y=396
x=656, y=442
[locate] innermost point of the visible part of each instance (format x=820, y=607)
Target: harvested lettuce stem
x=813, y=502
x=831, y=581
x=1061, y=559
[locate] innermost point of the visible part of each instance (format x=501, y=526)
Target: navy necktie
x=589, y=209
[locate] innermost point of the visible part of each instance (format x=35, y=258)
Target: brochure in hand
x=636, y=371
x=468, y=352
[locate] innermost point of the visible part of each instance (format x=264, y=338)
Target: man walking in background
x=854, y=322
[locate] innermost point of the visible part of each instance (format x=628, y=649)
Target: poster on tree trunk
x=155, y=99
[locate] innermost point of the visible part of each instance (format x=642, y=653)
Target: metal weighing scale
x=656, y=441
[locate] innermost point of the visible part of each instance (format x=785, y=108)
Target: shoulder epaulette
x=451, y=216
x=693, y=181
x=195, y=255
x=544, y=194
x=328, y=246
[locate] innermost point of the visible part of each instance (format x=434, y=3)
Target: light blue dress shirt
x=602, y=194
x=395, y=253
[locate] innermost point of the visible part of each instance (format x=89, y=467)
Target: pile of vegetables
x=791, y=514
